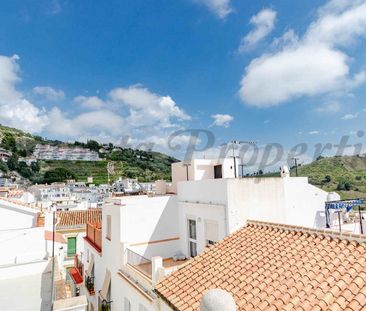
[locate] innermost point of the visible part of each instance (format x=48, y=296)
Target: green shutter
x=71, y=246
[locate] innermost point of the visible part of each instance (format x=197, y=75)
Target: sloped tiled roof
x=273, y=267
x=74, y=219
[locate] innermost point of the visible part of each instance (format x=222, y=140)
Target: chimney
x=40, y=220
x=217, y=300
x=157, y=264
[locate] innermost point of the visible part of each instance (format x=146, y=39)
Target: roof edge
x=360, y=238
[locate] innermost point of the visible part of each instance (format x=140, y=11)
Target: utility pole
x=234, y=142
x=295, y=160
x=241, y=142
x=242, y=169
x=53, y=259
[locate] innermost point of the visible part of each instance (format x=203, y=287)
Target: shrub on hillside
x=344, y=185
x=59, y=174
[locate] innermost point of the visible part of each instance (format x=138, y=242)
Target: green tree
x=58, y=174
x=93, y=145
x=35, y=166
x=3, y=167
x=13, y=162
x=8, y=142
x=24, y=170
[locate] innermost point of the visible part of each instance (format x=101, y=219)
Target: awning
x=347, y=205
x=90, y=267
x=107, y=281
x=75, y=275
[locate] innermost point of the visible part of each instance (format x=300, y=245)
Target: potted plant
x=104, y=306
x=89, y=284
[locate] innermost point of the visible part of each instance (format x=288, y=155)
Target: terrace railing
x=94, y=235
x=139, y=262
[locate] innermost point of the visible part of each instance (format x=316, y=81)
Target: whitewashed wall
x=13, y=216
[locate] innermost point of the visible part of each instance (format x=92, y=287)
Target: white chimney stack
x=285, y=172
x=217, y=300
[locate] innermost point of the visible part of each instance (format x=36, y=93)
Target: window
x=71, y=246
x=109, y=223
x=218, y=171
x=192, y=237
x=192, y=229
x=127, y=305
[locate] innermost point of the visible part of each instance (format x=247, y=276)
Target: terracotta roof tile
x=273, y=267
x=78, y=219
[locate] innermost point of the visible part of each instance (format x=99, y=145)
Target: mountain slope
x=128, y=163
x=346, y=175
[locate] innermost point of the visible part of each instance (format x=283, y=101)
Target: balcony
x=89, y=284
x=76, y=272
x=140, y=263
x=144, y=265
x=94, y=235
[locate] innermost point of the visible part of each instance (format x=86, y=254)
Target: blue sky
x=270, y=71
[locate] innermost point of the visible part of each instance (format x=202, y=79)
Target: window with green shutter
x=71, y=246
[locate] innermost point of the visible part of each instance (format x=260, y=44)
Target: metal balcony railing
x=139, y=262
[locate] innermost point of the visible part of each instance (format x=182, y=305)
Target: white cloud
x=263, y=24
x=132, y=111
x=147, y=108
x=314, y=133
x=221, y=8
x=222, y=120
x=90, y=102
x=15, y=110
x=85, y=124
x=331, y=107
x=49, y=93
x=312, y=65
x=350, y=116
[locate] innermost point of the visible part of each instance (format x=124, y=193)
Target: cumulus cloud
x=147, y=108
x=223, y=120
x=263, y=24
x=85, y=124
x=221, y=8
x=350, y=116
x=90, y=102
x=331, y=107
x=49, y=93
x=311, y=65
x=15, y=110
x=132, y=111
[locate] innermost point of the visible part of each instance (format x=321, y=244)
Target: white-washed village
x=206, y=240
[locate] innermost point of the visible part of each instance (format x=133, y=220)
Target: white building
x=144, y=238
x=121, y=259
x=4, y=154
x=48, y=152
x=199, y=169
x=24, y=264
x=217, y=207
x=14, y=215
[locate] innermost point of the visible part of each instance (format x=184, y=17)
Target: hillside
x=346, y=175
x=128, y=163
